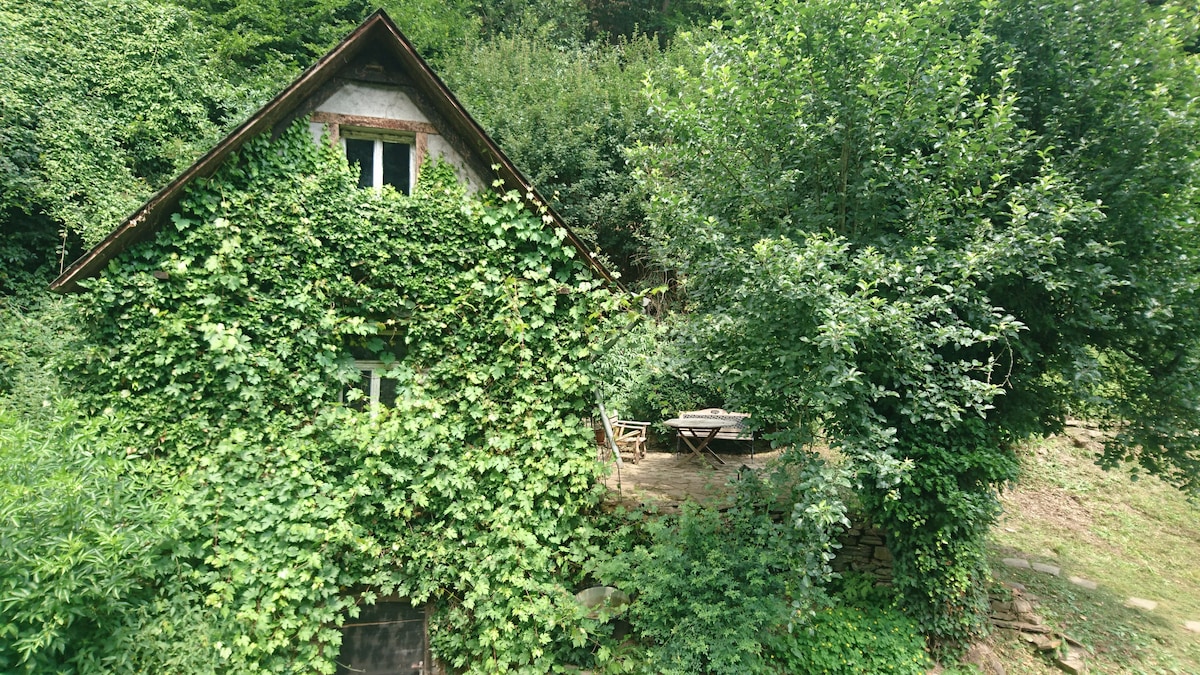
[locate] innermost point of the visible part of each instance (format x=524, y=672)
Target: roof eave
x=145, y=221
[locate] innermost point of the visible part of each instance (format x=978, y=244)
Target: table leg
x=699, y=449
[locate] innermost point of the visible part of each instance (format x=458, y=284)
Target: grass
x=1132, y=537
x=1136, y=538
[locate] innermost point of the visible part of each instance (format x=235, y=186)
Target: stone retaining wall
x=864, y=549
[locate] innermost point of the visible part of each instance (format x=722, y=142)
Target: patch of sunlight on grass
x=1134, y=538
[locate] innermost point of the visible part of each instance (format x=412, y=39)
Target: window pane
x=395, y=166
x=361, y=153
x=387, y=391
x=385, y=639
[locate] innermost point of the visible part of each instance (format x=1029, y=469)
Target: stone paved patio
x=668, y=480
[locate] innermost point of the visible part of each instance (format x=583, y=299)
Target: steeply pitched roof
x=377, y=32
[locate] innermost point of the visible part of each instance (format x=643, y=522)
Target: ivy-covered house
x=363, y=340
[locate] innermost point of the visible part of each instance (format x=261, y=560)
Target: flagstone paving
x=1138, y=603
x=1141, y=603
x=1048, y=569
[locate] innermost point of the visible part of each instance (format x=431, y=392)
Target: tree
x=927, y=230
x=564, y=115
x=276, y=39
x=99, y=109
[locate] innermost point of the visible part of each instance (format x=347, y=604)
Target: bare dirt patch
x=667, y=480
x=1053, y=505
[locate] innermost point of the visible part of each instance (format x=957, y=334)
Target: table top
x=695, y=423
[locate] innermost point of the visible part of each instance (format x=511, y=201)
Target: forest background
x=924, y=231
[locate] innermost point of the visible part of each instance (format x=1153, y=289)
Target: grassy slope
x=1134, y=538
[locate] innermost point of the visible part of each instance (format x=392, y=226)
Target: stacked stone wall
x=864, y=550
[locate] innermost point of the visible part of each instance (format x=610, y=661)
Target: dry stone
x=1047, y=569
x=864, y=549
x=1019, y=563
x=1193, y=626
x=1021, y=626
x=1083, y=583
x=1141, y=603
x=1072, y=662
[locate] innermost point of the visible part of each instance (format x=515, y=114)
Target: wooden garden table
x=703, y=428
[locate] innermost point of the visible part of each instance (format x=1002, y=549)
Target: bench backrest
x=733, y=420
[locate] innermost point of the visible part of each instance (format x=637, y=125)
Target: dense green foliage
x=469, y=492
x=565, y=114
x=900, y=228
x=641, y=375
x=279, y=38
x=99, y=109
x=663, y=18
x=86, y=545
x=847, y=640
x=712, y=586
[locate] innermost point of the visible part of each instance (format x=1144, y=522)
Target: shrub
x=846, y=640
x=643, y=379
x=84, y=546
x=710, y=586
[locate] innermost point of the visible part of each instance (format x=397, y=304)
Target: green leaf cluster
x=643, y=375
x=926, y=229
x=227, y=340
x=565, y=114
x=848, y=640
x=712, y=586
x=100, y=108
x=87, y=546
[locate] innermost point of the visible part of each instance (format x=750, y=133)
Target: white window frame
x=374, y=385
x=379, y=137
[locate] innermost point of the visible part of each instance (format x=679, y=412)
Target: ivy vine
x=227, y=340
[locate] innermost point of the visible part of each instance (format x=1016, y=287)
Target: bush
x=33, y=329
x=643, y=380
x=709, y=587
x=845, y=640
x=84, y=545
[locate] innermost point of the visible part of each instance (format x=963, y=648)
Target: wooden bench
x=734, y=429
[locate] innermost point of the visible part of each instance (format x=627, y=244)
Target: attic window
x=373, y=387
x=382, y=158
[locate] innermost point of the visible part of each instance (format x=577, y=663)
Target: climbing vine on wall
x=228, y=340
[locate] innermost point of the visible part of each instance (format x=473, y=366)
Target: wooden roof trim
x=146, y=220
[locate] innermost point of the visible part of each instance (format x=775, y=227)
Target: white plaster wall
x=317, y=130
x=437, y=146
x=373, y=100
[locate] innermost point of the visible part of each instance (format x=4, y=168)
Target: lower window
x=387, y=638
